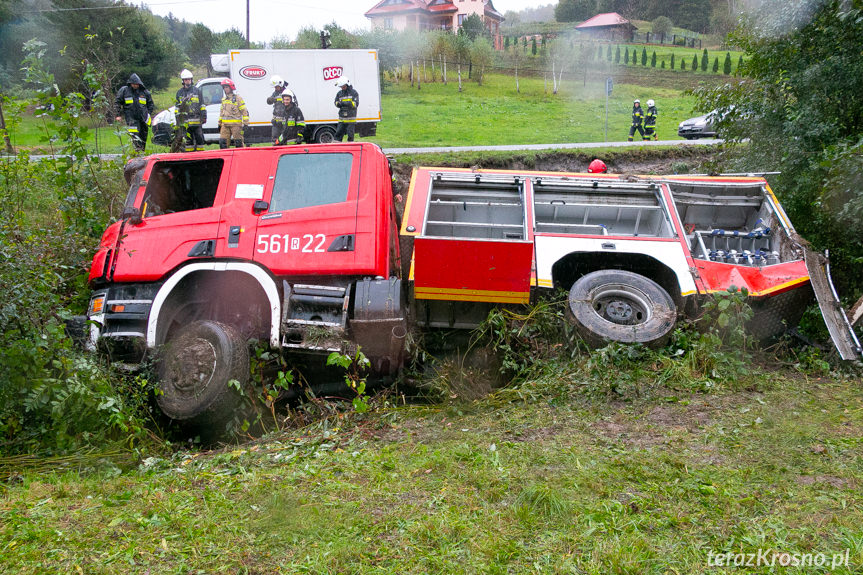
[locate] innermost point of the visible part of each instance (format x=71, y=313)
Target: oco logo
x=253, y=72
x=333, y=72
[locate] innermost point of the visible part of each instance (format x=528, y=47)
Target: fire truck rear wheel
x=617, y=305
x=195, y=370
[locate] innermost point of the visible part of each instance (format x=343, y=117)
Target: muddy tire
x=617, y=305
x=194, y=371
x=325, y=135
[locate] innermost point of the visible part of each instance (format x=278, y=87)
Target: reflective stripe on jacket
x=233, y=110
x=650, y=117
x=190, y=102
x=637, y=115
x=135, y=105
x=347, y=101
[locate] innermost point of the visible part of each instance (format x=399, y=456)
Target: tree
x=802, y=85
x=663, y=65
x=506, y=44
x=726, y=66
x=617, y=55
x=473, y=27
x=682, y=64
x=481, y=56
x=662, y=26
x=704, y=60
x=574, y=10
x=626, y=56
x=672, y=61
x=644, y=56
x=653, y=60
x=201, y=44
x=694, y=62
x=608, y=53
x=634, y=57
x=716, y=65
x=533, y=46
x=230, y=40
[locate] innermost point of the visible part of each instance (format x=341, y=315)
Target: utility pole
x=248, y=38
x=609, y=85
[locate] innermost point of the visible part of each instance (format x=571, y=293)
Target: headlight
x=97, y=305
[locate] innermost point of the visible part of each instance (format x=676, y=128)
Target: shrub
x=704, y=59
x=672, y=61
x=653, y=60
x=682, y=64
x=644, y=56
x=617, y=55
x=626, y=57
x=662, y=65
x=695, y=63
x=716, y=65
x=726, y=66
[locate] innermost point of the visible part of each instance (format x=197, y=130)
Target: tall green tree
x=801, y=107
x=201, y=44
x=726, y=65
x=473, y=27
x=574, y=10
x=704, y=60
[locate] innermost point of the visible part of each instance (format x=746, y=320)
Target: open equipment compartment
x=566, y=206
x=475, y=242
x=732, y=222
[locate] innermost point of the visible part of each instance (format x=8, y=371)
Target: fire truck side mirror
x=132, y=214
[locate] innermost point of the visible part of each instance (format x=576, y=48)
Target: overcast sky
x=271, y=18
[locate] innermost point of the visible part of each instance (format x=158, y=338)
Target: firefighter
x=347, y=101
x=135, y=103
x=275, y=100
x=295, y=124
x=191, y=111
x=597, y=167
x=637, y=119
x=650, y=121
x=233, y=116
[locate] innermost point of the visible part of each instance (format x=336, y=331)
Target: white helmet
x=276, y=80
x=636, y=101
x=290, y=93
x=185, y=75
x=650, y=103
x=344, y=81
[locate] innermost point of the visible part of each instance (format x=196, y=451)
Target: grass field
x=491, y=114
x=553, y=476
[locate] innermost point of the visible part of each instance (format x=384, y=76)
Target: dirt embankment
x=685, y=159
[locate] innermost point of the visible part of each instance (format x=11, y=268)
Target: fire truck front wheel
x=617, y=305
x=199, y=373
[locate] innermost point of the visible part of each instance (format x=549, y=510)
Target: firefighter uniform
x=637, y=120
x=233, y=117
x=650, y=123
x=278, y=111
x=191, y=114
x=135, y=105
x=347, y=101
x=295, y=125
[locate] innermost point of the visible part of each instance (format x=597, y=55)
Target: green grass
x=491, y=114
x=540, y=478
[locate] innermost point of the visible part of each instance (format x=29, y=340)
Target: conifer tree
x=644, y=56
x=672, y=61
x=653, y=60
x=726, y=66
x=716, y=65
x=694, y=62
x=617, y=55
x=704, y=60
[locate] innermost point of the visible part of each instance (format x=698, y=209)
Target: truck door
x=311, y=222
x=239, y=218
x=179, y=202
x=211, y=93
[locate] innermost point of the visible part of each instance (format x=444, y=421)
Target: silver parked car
x=699, y=127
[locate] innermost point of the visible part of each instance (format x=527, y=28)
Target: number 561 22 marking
x=277, y=244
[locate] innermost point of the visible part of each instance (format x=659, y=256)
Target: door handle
x=260, y=206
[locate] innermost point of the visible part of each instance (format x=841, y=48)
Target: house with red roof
x=608, y=26
x=434, y=15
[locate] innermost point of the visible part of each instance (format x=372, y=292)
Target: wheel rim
x=621, y=305
x=327, y=137
x=193, y=367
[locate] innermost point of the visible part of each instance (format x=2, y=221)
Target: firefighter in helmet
x=347, y=101
x=233, y=116
x=135, y=105
x=650, y=121
x=275, y=100
x=191, y=112
x=597, y=167
x=295, y=124
x=637, y=120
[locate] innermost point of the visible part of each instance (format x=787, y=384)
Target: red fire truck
x=299, y=247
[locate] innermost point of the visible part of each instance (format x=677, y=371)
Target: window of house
x=181, y=186
x=388, y=23
x=304, y=180
x=461, y=18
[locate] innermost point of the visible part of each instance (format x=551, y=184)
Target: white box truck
x=311, y=75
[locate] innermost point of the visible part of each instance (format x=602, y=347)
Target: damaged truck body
x=301, y=247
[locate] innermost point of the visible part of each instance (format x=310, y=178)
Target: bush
x=608, y=53
x=726, y=66
x=626, y=57
x=672, y=61
x=653, y=60
x=644, y=56
x=716, y=65
x=663, y=65
x=704, y=60
x=682, y=64
x=695, y=63
x=617, y=55
x=662, y=26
